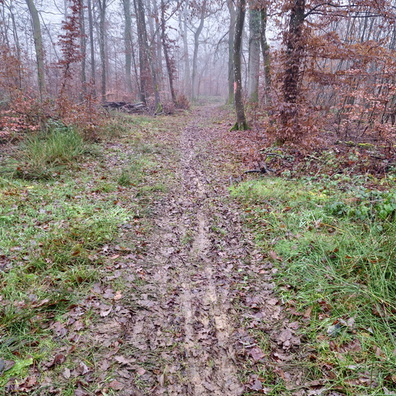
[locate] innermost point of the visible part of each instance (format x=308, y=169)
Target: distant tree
x=231, y=36
x=39, y=48
x=102, y=47
x=254, y=53
x=128, y=44
x=241, y=123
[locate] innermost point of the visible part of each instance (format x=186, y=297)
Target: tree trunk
x=102, y=47
x=145, y=56
x=196, y=47
x=128, y=44
x=38, y=45
x=291, y=82
x=231, y=35
x=92, y=48
x=17, y=46
x=266, y=57
x=168, y=60
x=83, y=45
x=241, y=123
x=254, y=54
x=186, y=56
x=143, y=62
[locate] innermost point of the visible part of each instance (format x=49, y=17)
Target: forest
x=197, y=197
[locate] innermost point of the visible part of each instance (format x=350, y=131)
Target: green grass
x=47, y=154
x=61, y=212
x=337, y=244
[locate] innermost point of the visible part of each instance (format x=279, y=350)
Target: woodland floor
x=183, y=290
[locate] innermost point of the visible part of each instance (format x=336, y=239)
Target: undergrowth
x=334, y=241
x=62, y=212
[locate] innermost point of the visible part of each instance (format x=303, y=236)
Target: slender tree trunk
x=266, y=57
x=168, y=60
x=83, y=45
x=102, y=47
x=254, y=54
x=196, y=47
x=92, y=48
x=241, y=123
x=186, y=56
x=128, y=44
x=143, y=62
x=38, y=45
x=17, y=45
x=231, y=34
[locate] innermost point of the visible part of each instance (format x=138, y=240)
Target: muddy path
x=186, y=335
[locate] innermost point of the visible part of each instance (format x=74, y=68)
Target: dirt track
x=186, y=331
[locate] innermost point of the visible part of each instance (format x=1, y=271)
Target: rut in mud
x=185, y=333
x=190, y=303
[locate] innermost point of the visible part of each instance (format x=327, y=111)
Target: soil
x=206, y=285
x=201, y=298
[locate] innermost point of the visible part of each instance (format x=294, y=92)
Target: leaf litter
x=195, y=294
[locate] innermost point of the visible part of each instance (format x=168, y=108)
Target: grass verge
x=63, y=217
x=333, y=241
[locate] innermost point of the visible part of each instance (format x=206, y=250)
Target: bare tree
x=231, y=34
x=266, y=56
x=197, y=34
x=38, y=45
x=254, y=54
x=102, y=46
x=241, y=123
x=128, y=44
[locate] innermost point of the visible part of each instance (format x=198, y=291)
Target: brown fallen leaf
x=141, y=371
x=58, y=360
x=256, y=353
x=5, y=365
x=122, y=360
x=116, y=385
x=28, y=384
x=83, y=368
x=285, y=335
x=274, y=256
x=117, y=296
x=105, y=311
x=66, y=373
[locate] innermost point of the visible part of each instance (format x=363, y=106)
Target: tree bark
x=196, y=47
x=186, y=56
x=128, y=44
x=254, y=54
x=168, y=60
x=266, y=57
x=231, y=35
x=143, y=61
x=241, y=123
x=38, y=45
x=92, y=48
x=83, y=45
x=292, y=76
x=145, y=55
x=102, y=47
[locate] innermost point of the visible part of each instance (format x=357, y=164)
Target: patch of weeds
x=125, y=179
x=187, y=238
x=116, y=126
x=334, y=247
x=158, y=187
x=47, y=153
